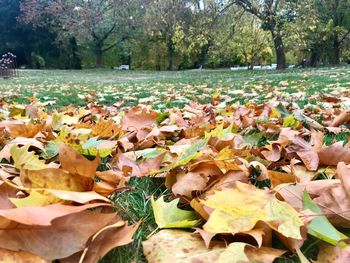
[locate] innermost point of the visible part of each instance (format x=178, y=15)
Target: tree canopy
x=175, y=34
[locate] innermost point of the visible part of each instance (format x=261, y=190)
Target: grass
x=136, y=201
x=59, y=88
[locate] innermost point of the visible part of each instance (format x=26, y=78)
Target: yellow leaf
x=231, y=216
x=291, y=121
x=167, y=215
x=58, y=179
x=34, y=199
x=26, y=160
x=275, y=113
x=179, y=246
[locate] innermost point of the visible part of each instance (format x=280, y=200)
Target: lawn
x=305, y=89
x=59, y=88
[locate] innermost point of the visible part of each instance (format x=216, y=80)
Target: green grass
x=168, y=89
x=136, y=201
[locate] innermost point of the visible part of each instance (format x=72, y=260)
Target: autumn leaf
x=137, y=118
x=53, y=178
x=190, y=153
x=168, y=215
x=23, y=159
x=105, y=129
x=320, y=227
x=75, y=229
x=8, y=256
x=229, y=216
x=75, y=163
x=33, y=199
x=182, y=246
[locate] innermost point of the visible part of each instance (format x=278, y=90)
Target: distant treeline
x=175, y=34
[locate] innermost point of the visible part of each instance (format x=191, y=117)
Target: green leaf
x=291, y=121
x=221, y=133
x=51, y=150
x=192, y=152
x=282, y=110
x=161, y=117
x=253, y=139
x=320, y=227
x=167, y=215
x=150, y=153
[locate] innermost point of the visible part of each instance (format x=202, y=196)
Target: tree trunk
x=314, y=57
x=203, y=57
x=336, y=51
x=279, y=48
x=98, y=55
x=171, y=52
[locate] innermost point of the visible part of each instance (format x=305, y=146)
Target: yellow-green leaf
x=168, y=215
x=239, y=209
x=34, y=199
x=291, y=121
x=26, y=160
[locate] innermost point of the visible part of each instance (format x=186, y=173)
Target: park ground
x=59, y=88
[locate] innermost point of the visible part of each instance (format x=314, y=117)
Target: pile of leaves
x=248, y=182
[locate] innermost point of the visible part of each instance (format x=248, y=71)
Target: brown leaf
x=280, y=178
x=58, y=179
x=65, y=236
x=43, y=216
x=332, y=155
x=343, y=117
x=106, y=129
x=25, y=130
x=138, y=118
x=75, y=163
x=106, y=239
x=332, y=254
x=8, y=256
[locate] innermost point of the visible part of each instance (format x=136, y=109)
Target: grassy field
x=56, y=89
x=59, y=88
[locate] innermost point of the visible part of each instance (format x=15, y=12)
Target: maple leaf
x=167, y=215
x=75, y=229
x=105, y=129
x=27, y=160
x=25, y=130
x=183, y=246
x=75, y=163
x=320, y=227
x=334, y=254
x=229, y=216
x=53, y=178
x=19, y=257
x=138, y=118
x=190, y=153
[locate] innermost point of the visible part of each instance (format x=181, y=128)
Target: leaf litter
x=249, y=182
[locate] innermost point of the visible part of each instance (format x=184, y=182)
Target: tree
x=23, y=40
x=251, y=42
x=274, y=14
x=335, y=13
x=162, y=17
x=92, y=22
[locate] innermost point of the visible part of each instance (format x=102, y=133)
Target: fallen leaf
x=260, y=205
x=168, y=215
x=75, y=163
